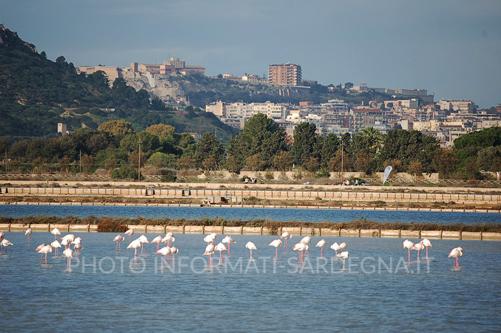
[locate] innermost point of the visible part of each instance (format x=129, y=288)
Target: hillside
x=200, y=90
x=37, y=93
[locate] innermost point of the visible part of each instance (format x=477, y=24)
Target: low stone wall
x=237, y=195
x=294, y=231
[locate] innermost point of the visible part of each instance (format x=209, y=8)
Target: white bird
x=251, y=247
x=39, y=247
x=228, y=241
x=77, y=241
x=143, y=240
x=169, y=239
x=55, y=245
x=28, y=232
x=426, y=242
x=78, y=247
x=157, y=240
x=67, y=240
x=135, y=244
x=118, y=240
x=343, y=256
x=174, y=250
x=305, y=240
x=129, y=232
x=338, y=247
x=68, y=253
x=407, y=244
x=44, y=250
x=456, y=253
x=164, y=251
x=5, y=243
x=220, y=247
x=210, y=238
x=321, y=244
x=209, y=251
x=300, y=248
x=286, y=236
x=276, y=244
x=418, y=247
x=55, y=232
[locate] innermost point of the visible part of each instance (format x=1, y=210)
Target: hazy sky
x=450, y=47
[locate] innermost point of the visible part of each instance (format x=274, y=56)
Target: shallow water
x=428, y=295
x=273, y=214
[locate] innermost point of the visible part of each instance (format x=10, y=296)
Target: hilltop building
x=112, y=73
x=170, y=66
x=284, y=75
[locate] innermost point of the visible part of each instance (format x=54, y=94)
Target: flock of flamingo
x=211, y=246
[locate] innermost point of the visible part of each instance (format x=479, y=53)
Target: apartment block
x=285, y=75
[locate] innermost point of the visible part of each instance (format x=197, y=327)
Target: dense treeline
x=115, y=147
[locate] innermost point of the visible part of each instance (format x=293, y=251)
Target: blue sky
x=450, y=47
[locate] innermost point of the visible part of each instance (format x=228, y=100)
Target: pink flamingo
x=418, y=247
x=251, y=247
x=285, y=236
x=118, y=240
x=157, y=240
x=300, y=248
x=456, y=253
x=227, y=240
x=407, y=244
x=209, y=251
x=321, y=244
x=276, y=244
x=426, y=242
x=220, y=247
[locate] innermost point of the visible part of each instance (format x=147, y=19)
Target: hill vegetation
x=37, y=93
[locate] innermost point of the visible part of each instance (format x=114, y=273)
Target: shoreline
x=191, y=205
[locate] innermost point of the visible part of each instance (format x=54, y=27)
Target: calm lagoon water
x=278, y=214
x=426, y=296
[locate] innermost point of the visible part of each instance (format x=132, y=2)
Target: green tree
x=117, y=128
x=330, y=145
x=162, y=160
x=407, y=146
x=366, y=149
x=260, y=136
x=305, y=143
x=209, y=148
x=283, y=161
x=164, y=132
x=445, y=162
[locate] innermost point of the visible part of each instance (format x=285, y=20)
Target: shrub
x=110, y=225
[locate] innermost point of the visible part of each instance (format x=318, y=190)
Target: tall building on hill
x=284, y=75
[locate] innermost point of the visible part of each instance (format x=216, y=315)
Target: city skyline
x=450, y=48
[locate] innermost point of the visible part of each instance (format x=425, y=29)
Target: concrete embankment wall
x=236, y=195
x=352, y=207
x=294, y=231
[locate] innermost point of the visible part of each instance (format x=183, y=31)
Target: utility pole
x=139, y=164
x=342, y=160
